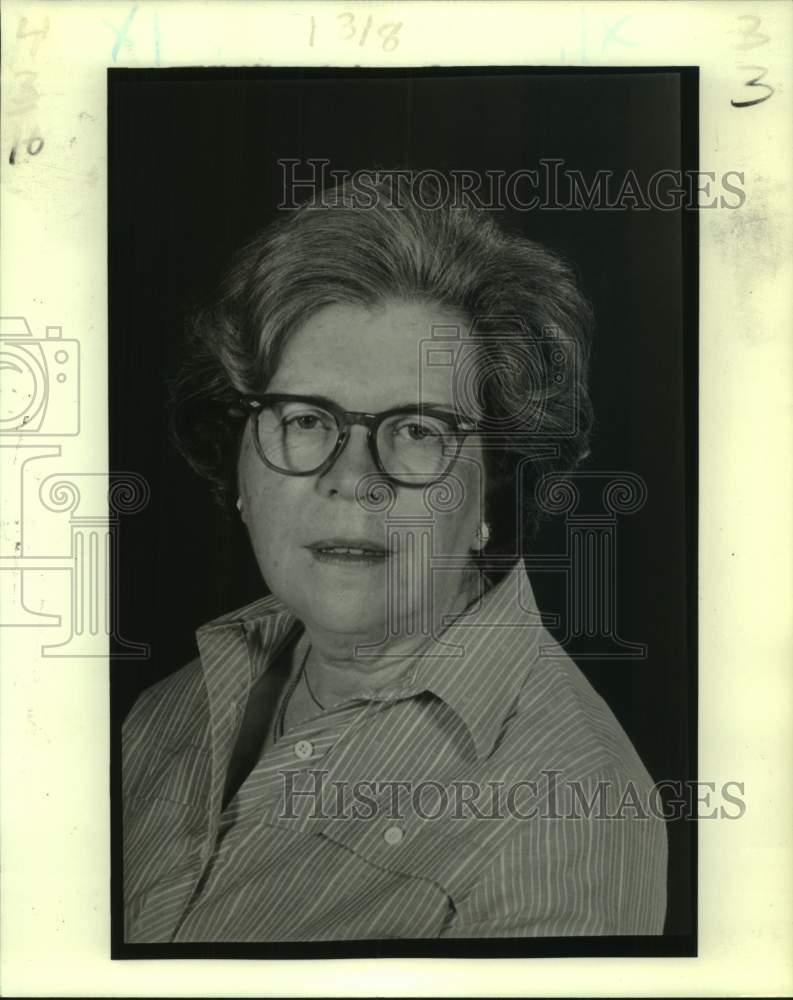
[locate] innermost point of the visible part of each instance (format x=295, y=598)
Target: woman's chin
x=340, y=614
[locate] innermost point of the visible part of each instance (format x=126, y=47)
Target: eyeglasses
x=304, y=435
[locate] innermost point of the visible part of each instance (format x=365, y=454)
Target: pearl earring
x=239, y=504
x=483, y=534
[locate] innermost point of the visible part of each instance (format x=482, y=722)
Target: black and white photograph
x=395, y=515
x=408, y=362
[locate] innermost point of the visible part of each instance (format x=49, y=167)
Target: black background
x=194, y=173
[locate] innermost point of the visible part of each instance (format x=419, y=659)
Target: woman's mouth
x=349, y=553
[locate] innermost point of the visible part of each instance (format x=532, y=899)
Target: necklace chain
x=279, y=722
x=313, y=697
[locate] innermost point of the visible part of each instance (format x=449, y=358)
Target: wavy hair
x=530, y=327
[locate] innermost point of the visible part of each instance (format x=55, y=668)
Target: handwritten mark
x=609, y=33
x=124, y=37
x=24, y=96
x=752, y=38
x=755, y=81
x=33, y=146
x=38, y=33
x=121, y=33
x=157, y=38
x=350, y=30
x=612, y=34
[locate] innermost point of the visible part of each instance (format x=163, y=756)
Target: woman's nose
x=351, y=465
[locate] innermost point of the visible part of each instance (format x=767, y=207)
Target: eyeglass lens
x=298, y=437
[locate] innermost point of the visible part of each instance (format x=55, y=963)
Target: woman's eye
x=306, y=421
x=418, y=432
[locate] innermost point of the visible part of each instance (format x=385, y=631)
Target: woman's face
x=366, y=360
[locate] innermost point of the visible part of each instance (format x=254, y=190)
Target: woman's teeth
x=351, y=554
x=355, y=552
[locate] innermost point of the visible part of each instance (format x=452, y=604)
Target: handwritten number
x=33, y=144
x=752, y=39
x=755, y=81
x=350, y=26
x=349, y=31
x=22, y=32
x=388, y=32
x=25, y=95
x=27, y=91
x=751, y=32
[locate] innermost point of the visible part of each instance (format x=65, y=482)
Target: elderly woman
x=389, y=744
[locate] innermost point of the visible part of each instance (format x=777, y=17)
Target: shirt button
x=303, y=749
x=393, y=835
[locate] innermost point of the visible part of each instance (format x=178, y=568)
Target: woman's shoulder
x=562, y=722
x=165, y=717
x=170, y=708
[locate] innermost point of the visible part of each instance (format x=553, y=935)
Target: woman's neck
x=340, y=667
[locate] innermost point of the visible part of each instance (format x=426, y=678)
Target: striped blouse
x=491, y=793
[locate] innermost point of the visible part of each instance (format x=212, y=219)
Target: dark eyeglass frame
x=461, y=426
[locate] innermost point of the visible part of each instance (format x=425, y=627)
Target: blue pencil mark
x=612, y=35
x=122, y=34
x=157, y=38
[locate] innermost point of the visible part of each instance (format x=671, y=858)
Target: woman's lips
x=350, y=557
x=352, y=552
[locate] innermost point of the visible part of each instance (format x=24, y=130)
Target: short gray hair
x=531, y=327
